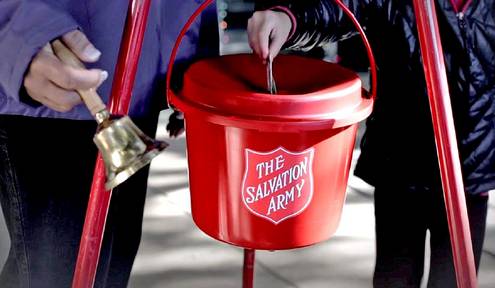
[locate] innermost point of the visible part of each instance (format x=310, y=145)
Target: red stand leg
x=99, y=199
x=91, y=239
x=248, y=269
x=448, y=155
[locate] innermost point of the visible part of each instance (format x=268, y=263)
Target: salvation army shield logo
x=278, y=184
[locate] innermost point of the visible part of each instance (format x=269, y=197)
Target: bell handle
x=90, y=97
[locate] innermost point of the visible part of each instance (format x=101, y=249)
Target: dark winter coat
x=398, y=145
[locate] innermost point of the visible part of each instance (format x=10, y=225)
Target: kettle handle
x=373, y=71
x=206, y=3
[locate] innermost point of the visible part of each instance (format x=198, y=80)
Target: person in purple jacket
x=47, y=156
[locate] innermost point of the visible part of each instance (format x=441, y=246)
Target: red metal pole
x=99, y=199
x=130, y=49
x=248, y=268
x=448, y=155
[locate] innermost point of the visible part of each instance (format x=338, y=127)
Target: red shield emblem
x=278, y=184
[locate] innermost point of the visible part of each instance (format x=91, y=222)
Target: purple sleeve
x=25, y=27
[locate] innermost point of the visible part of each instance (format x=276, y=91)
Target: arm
x=323, y=21
x=25, y=28
x=315, y=22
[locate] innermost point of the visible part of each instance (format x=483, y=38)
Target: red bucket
x=269, y=171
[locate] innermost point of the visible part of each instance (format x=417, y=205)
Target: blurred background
x=175, y=253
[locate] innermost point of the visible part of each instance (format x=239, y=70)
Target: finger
x=81, y=46
x=38, y=96
x=276, y=44
x=48, y=49
x=34, y=89
x=264, y=40
x=251, y=32
x=65, y=76
x=66, y=99
x=258, y=33
x=50, y=95
x=42, y=99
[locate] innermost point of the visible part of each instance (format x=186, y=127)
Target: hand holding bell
x=124, y=147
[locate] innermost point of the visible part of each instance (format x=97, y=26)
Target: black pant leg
x=400, y=237
x=44, y=196
x=9, y=276
x=442, y=271
x=477, y=211
x=45, y=189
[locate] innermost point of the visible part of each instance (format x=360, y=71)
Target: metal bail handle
x=206, y=3
x=367, y=45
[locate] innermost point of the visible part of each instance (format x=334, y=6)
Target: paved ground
x=174, y=253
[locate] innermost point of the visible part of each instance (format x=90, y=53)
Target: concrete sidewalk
x=175, y=253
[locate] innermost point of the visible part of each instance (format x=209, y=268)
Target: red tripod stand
x=444, y=133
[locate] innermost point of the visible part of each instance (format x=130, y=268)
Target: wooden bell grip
x=90, y=97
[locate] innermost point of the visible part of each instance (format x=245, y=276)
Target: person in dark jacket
x=398, y=153
x=47, y=155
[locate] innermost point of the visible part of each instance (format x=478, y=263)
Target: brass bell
x=124, y=147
